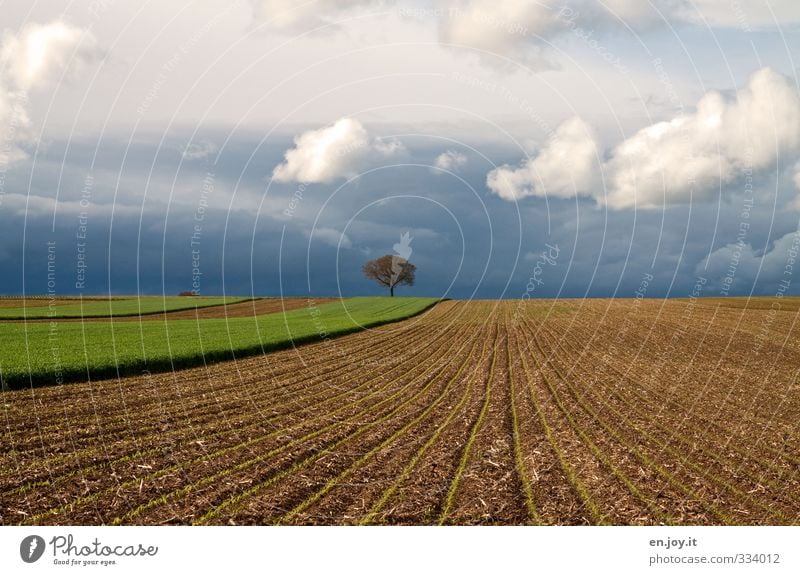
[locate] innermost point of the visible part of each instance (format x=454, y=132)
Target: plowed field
x=483, y=412
x=252, y=308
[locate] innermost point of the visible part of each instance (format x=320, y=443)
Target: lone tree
x=390, y=271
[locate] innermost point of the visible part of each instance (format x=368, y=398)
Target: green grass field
x=45, y=353
x=116, y=307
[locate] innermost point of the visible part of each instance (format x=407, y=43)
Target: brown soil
x=241, y=309
x=579, y=412
x=21, y=302
x=41, y=301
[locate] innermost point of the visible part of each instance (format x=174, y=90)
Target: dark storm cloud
x=284, y=238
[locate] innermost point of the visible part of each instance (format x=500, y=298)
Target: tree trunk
x=391, y=291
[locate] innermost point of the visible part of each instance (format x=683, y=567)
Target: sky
x=561, y=148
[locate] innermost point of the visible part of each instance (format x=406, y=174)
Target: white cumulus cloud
x=199, y=150
x=687, y=157
x=511, y=28
x=523, y=30
x=565, y=167
x=451, y=160
x=32, y=59
x=39, y=53
x=340, y=150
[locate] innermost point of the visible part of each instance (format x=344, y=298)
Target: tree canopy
x=390, y=271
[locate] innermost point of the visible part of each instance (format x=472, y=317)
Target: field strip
x=726, y=403
x=104, y=309
x=392, y=489
x=663, y=400
x=249, y=308
x=682, y=456
x=236, y=401
x=209, y=480
x=374, y=345
x=519, y=461
x=135, y=348
x=254, y=375
x=679, y=408
x=223, y=451
x=451, y=493
x=232, y=502
x=731, y=401
x=420, y=497
x=480, y=412
x=491, y=489
x=588, y=441
x=668, y=476
x=572, y=479
x=381, y=469
x=177, y=436
x=288, y=517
